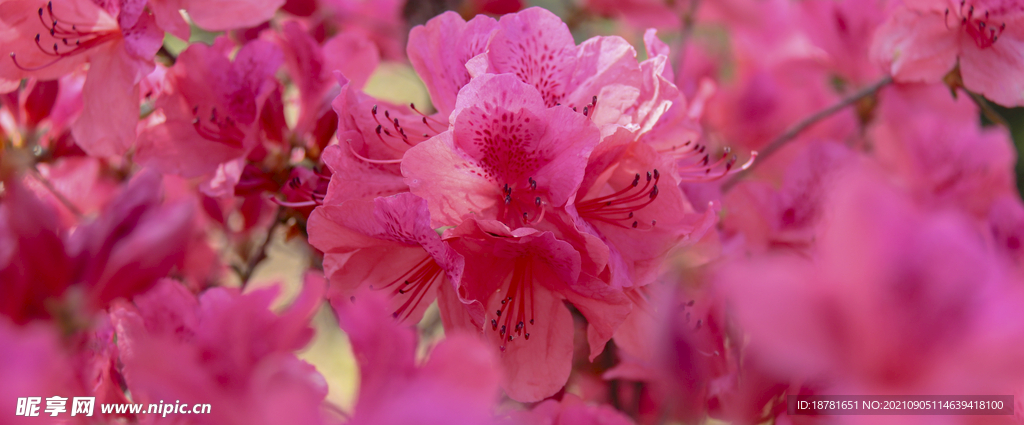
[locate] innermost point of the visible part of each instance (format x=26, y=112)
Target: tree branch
x=799, y=127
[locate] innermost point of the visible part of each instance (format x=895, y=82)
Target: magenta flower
x=47, y=40
x=439, y=51
x=637, y=210
x=894, y=300
x=571, y=410
x=457, y=384
x=312, y=65
x=34, y=362
x=208, y=119
x=941, y=152
x=373, y=136
x=536, y=47
x=224, y=348
x=217, y=15
x=507, y=156
x=386, y=244
x=521, y=277
x=787, y=217
x=925, y=39
x=134, y=242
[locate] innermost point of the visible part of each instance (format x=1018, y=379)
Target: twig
x=796, y=129
x=687, y=23
x=987, y=109
x=56, y=193
x=261, y=253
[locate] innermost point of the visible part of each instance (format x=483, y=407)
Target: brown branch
x=687, y=22
x=986, y=108
x=56, y=193
x=799, y=127
x=261, y=253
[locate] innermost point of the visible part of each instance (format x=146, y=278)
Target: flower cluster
x=479, y=220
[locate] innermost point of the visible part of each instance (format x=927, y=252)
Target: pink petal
x=535, y=45
x=996, y=71
x=915, y=46
x=110, y=99
x=539, y=367
x=221, y=15
x=443, y=69
x=168, y=17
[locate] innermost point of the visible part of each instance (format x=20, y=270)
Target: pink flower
x=207, y=122
x=637, y=210
x=926, y=39
x=521, y=278
x=133, y=242
x=218, y=15
x=843, y=30
x=388, y=245
x=600, y=78
x=894, y=300
x=34, y=364
x=312, y=65
x=457, y=384
x=935, y=145
x=786, y=218
x=382, y=22
x=439, y=51
x=373, y=136
x=571, y=410
x=506, y=157
x=47, y=40
x=536, y=46
x=225, y=349
x=81, y=181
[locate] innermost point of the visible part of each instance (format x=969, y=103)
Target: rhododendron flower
x=312, y=66
x=33, y=362
x=208, y=121
x=571, y=410
x=636, y=209
x=133, y=242
x=216, y=15
x=521, y=277
x=893, y=301
x=926, y=39
x=537, y=47
x=386, y=244
x=440, y=49
x=507, y=157
x=225, y=349
x=457, y=384
x=786, y=218
x=599, y=78
x=47, y=40
x=941, y=152
x=373, y=136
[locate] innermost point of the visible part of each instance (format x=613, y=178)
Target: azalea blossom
x=388, y=245
x=926, y=39
x=633, y=212
x=207, y=122
x=507, y=156
x=850, y=314
x=49, y=39
x=457, y=384
x=520, y=277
